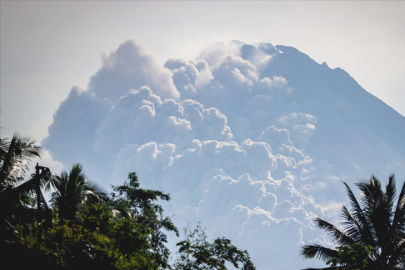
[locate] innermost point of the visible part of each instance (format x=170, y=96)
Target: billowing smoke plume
x=249, y=140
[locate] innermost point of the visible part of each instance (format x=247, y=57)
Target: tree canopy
x=197, y=253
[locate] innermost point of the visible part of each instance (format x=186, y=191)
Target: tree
x=41, y=179
x=142, y=209
x=123, y=232
x=73, y=191
x=15, y=156
x=196, y=253
x=375, y=227
x=95, y=240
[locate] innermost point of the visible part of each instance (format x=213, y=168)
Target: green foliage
x=100, y=234
x=139, y=201
x=196, y=253
x=141, y=208
x=373, y=231
x=86, y=228
x=355, y=256
x=96, y=239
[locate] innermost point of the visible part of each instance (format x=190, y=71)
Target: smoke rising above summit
x=250, y=140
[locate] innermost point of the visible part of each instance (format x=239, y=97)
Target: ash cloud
x=131, y=66
x=230, y=135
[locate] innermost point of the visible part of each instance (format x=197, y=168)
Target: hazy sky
x=49, y=46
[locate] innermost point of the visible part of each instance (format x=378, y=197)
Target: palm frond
x=398, y=221
x=96, y=190
x=16, y=155
x=372, y=194
x=352, y=227
x=73, y=191
x=359, y=215
x=397, y=258
x=27, y=186
x=337, y=235
x=319, y=252
x=119, y=208
x=390, y=192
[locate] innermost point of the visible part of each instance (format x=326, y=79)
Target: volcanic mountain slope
x=356, y=133
x=351, y=122
x=251, y=140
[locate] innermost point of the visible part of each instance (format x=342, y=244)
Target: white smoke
x=130, y=67
x=226, y=135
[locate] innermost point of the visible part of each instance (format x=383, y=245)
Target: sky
x=49, y=46
x=239, y=155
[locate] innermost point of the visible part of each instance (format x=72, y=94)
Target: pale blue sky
x=49, y=46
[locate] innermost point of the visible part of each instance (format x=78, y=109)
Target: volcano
x=251, y=140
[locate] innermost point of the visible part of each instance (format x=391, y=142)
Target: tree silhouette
x=376, y=225
x=196, y=253
x=15, y=156
x=73, y=191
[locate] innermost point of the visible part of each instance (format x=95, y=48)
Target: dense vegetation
x=85, y=227
x=373, y=233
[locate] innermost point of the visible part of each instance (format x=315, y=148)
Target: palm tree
x=42, y=178
x=378, y=222
x=15, y=156
x=73, y=191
